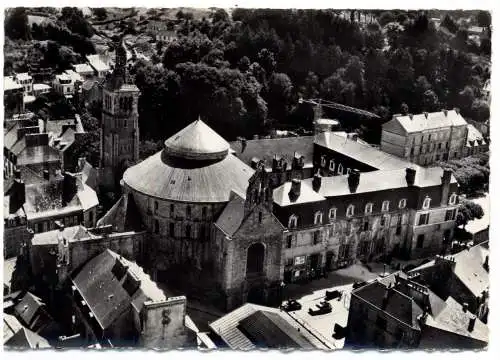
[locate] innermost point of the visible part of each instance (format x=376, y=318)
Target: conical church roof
x=197, y=141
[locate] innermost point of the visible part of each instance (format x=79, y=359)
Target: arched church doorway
x=255, y=259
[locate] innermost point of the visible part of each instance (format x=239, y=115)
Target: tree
x=386, y=17
x=220, y=15
x=100, y=13
x=16, y=24
x=450, y=24
x=279, y=95
x=480, y=110
x=468, y=211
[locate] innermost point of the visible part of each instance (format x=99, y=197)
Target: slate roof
x=270, y=325
x=123, y=216
x=266, y=149
x=37, y=155
x=307, y=195
x=83, y=68
x=361, y=152
x=470, y=271
x=25, y=339
x=200, y=182
x=474, y=136
x=98, y=62
x=197, y=141
x=28, y=307
x=10, y=326
x=108, y=296
x=10, y=84
x=434, y=120
x=232, y=216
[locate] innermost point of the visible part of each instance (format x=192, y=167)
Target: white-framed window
x=385, y=205
x=453, y=199
x=292, y=221
x=427, y=203
x=318, y=217
x=332, y=213
x=402, y=203
x=350, y=211
x=340, y=170
x=368, y=208
x=331, y=166
x=300, y=260
x=348, y=171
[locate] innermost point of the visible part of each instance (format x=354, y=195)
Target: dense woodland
x=244, y=73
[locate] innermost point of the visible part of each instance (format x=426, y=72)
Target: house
x=100, y=64
x=398, y=312
x=39, y=89
x=18, y=337
x=84, y=70
x=426, y=138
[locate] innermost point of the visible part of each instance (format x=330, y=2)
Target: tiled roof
x=161, y=177
x=268, y=324
x=232, y=216
x=266, y=149
x=363, y=153
x=197, y=141
x=108, y=295
x=435, y=120
x=123, y=216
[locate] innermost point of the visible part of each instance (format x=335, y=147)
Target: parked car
x=323, y=307
x=291, y=305
x=335, y=294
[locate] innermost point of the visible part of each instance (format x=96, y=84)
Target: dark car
x=291, y=305
x=335, y=294
x=323, y=307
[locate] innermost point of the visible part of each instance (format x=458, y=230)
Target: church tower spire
x=119, y=125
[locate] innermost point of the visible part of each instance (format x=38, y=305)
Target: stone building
x=426, y=138
x=397, y=312
x=119, y=124
x=117, y=304
x=333, y=221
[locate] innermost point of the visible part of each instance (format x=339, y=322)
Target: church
x=232, y=231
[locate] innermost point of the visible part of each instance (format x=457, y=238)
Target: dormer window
x=318, y=218
x=385, y=205
x=292, y=222
x=323, y=161
x=453, y=199
x=402, y=203
x=156, y=207
x=332, y=213
x=332, y=165
x=340, y=170
x=368, y=208
x=427, y=203
x=350, y=211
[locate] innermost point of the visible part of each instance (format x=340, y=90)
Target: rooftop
x=72, y=234
x=110, y=284
x=232, y=216
x=10, y=84
x=253, y=326
x=123, y=216
x=83, y=68
x=25, y=338
x=474, y=136
x=429, y=121
x=361, y=152
x=266, y=149
x=99, y=62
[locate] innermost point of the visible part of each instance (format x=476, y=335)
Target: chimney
x=256, y=137
x=59, y=225
x=353, y=137
x=385, y=300
x=294, y=189
x=410, y=176
x=457, y=110
x=316, y=183
x=410, y=116
x=445, y=112
x=298, y=161
x=81, y=163
x=353, y=180
x=465, y=307
x=69, y=188
x=486, y=264
x=17, y=174
x=46, y=175
x=426, y=114
x=472, y=323
x=277, y=163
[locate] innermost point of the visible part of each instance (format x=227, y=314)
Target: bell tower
x=119, y=125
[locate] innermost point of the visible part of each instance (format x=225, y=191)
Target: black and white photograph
x=246, y=178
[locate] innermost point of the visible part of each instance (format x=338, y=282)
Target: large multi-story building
x=426, y=138
x=332, y=221
x=119, y=124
